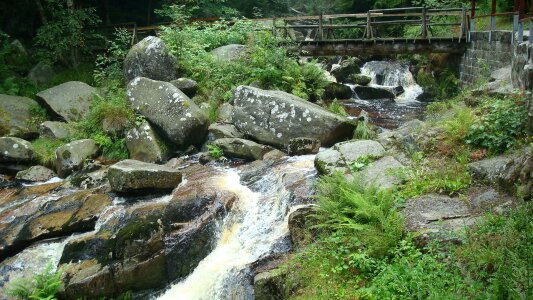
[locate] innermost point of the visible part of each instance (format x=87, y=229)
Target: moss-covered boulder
x=359, y=79
x=303, y=146
x=72, y=156
x=145, y=145
x=346, y=68
x=55, y=130
x=133, y=176
x=70, y=101
x=16, y=116
x=150, y=58
x=36, y=174
x=337, y=91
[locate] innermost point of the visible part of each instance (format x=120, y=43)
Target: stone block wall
x=522, y=75
x=483, y=57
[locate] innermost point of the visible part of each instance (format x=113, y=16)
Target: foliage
x=215, y=151
x=38, y=115
x=45, y=149
x=499, y=126
x=364, y=131
x=43, y=286
x=366, y=214
x=362, y=162
x=109, y=64
x=337, y=108
x=440, y=87
x=431, y=177
x=66, y=31
x=5, y=129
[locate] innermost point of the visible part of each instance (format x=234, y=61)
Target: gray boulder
x=225, y=111
x=303, y=146
x=55, y=130
x=72, y=156
x=150, y=58
x=381, y=173
x=240, y=148
x=36, y=174
x=345, y=69
x=188, y=86
x=165, y=106
x=337, y=91
x=71, y=100
x=144, y=144
x=220, y=131
x=15, y=150
x=342, y=155
x=42, y=73
x=275, y=117
x=373, y=93
x=15, y=116
x=228, y=53
x=132, y=175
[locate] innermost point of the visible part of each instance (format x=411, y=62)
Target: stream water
x=384, y=112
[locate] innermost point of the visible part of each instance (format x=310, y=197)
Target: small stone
x=186, y=85
x=36, y=174
x=303, y=146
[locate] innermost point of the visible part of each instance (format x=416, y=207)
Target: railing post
x=134, y=35
x=473, y=15
x=274, y=26
x=515, y=20
x=368, y=25
x=424, y=23
x=520, y=21
x=492, y=20
x=463, y=24
x=321, y=27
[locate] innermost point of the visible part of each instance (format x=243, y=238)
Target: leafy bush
x=45, y=148
x=42, y=286
x=367, y=214
x=499, y=126
x=337, y=108
x=364, y=131
x=362, y=162
x=215, y=151
x=109, y=65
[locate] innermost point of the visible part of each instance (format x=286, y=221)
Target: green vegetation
x=43, y=286
x=337, y=108
x=215, y=151
x=45, y=150
x=362, y=162
x=364, y=131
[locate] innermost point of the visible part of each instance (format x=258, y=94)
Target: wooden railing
x=325, y=26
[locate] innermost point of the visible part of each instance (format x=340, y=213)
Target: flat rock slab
x=55, y=130
x=15, y=116
x=381, y=173
x=132, y=175
x=241, y=148
x=71, y=100
x=342, y=155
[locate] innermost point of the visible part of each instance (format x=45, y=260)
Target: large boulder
x=373, y=93
x=36, y=174
x=72, y=156
x=15, y=150
x=144, y=145
x=132, y=176
x=186, y=85
x=346, y=68
x=165, y=106
x=240, y=148
x=70, y=101
x=342, y=155
x=381, y=173
x=42, y=73
x=55, y=130
x=228, y=53
x=275, y=117
x=337, y=91
x=15, y=116
x=150, y=58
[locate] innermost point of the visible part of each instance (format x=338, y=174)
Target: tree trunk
x=42, y=14
x=74, y=52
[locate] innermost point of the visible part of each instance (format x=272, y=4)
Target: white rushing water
x=392, y=74
x=257, y=221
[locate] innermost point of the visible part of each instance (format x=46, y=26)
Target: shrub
x=109, y=65
x=337, y=108
x=45, y=148
x=215, y=151
x=42, y=286
x=499, y=126
x=364, y=131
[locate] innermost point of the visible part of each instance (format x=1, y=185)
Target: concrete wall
x=483, y=57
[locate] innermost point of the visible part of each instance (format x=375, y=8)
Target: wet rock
x=55, y=130
x=147, y=246
x=300, y=226
x=132, y=175
x=150, y=58
x=347, y=67
x=381, y=173
x=15, y=116
x=225, y=111
x=303, y=146
x=229, y=53
x=15, y=150
x=219, y=131
x=169, y=109
x=72, y=156
x=270, y=285
x=373, y=93
x=186, y=85
x=274, y=118
x=76, y=212
x=42, y=73
x=342, y=155
x=337, y=91
x=241, y=148
x=36, y=174
x=144, y=145
x=359, y=79
x=70, y=101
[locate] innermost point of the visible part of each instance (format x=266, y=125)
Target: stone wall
x=483, y=57
x=522, y=74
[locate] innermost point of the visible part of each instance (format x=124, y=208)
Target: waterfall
x=253, y=228
x=393, y=74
